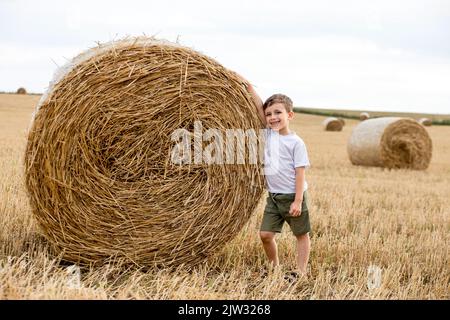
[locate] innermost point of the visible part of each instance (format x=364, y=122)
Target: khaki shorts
x=277, y=212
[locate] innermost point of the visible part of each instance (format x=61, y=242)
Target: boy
x=285, y=160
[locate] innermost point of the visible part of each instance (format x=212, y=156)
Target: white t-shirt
x=282, y=154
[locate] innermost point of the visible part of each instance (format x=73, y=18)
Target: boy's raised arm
x=256, y=98
x=258, y=102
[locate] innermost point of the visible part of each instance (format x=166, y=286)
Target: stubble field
x=377, y=233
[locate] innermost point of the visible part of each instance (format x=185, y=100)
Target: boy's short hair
x=279, y=98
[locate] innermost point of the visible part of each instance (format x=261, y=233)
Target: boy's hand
x=241, y=78
x=256, y=98
x=296, y=208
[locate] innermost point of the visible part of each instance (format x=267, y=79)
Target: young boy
x=285, y=160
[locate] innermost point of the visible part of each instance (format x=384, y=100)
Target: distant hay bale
x=425, y=121
x=390, y=142
x=21, y=90
x=332, y=124
x=98, y=170
x=364, y=116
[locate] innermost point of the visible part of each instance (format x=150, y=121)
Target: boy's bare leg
x=270, y=246
x=303, y=248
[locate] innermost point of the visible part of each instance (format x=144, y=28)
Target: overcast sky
x=375, y=55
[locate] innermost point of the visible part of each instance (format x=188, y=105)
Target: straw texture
x=98, y=160
x=390, y=142
x=332, y=124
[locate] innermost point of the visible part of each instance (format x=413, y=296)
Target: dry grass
x=398, y=220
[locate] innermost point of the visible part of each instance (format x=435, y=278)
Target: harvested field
x=362, y=218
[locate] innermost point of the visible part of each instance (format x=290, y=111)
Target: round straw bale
x=21, y=90
x=364, y=116
x=390, y=142
x=425, y=122
x=99, y=170
x=332, y=124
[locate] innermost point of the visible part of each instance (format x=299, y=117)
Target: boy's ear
x=291, y=115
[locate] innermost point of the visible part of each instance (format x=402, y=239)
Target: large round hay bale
x=21, y=90
x=332, y=124
x=99, y=169
x=390, y=142
x=425, y=122
x=364, y=116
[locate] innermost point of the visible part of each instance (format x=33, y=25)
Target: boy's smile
x=278, y=118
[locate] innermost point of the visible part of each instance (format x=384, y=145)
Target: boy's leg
x=270, y=246
x=300, y=226
x=272, y=223
x=303, y=248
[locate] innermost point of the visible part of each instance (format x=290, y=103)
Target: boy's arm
x=256, y=98
x=258, y=103
x=296, y=206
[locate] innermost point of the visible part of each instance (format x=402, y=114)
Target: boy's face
x=278, y=118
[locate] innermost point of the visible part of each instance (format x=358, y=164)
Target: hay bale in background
x=390, y=142
x=332, y=124
x=425, y=122
x=21, y=90
x=98, y=160
x=364, y=116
